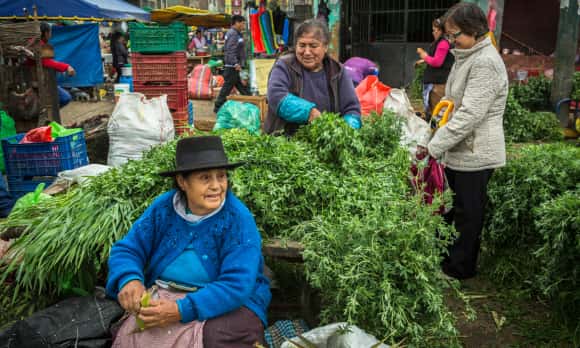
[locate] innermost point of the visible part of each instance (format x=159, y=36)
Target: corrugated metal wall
x=389, y=32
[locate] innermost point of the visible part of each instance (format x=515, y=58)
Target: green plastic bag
x=234, y=114
x=31, y=198
x=7, y=129
x=60, y=131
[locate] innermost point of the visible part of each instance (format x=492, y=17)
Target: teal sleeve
x=353, y=120
x=294, y=109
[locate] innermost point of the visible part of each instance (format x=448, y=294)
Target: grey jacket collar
x=461, y=54
x=180, y=203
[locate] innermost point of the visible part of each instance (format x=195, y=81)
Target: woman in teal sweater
x=199, y=245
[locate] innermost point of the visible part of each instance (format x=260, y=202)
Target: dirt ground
x=503, y=319
x=77, y=111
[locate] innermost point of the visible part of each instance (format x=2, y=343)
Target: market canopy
x=191, y=16
x=72, y=9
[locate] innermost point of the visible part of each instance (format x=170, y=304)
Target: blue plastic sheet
x=78, y=45
x=108, y=9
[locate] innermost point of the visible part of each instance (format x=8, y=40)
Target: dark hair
x=318, y=28
x=237, y=19
x=44, y=29
x=469, y=18
x=439, y=23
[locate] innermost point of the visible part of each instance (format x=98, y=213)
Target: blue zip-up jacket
x=234, y=49
x=228, y=244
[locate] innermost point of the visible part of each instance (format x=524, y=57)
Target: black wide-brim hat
x=200, y=153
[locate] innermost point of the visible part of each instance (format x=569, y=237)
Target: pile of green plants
x=523, y=125
x=533, y=95
x=558, y=222
x=576, y=86
x=531, y=238
x=370, y=242
x=417, y=84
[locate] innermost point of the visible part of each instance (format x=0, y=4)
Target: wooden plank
x=285, y=250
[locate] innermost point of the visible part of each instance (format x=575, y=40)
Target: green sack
x=60, y=131
x=31, y=198
x=234, y=114
x=7, y=129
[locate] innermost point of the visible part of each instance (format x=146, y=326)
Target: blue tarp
x=78, y=45
x=108, y=9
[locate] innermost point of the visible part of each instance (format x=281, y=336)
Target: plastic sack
x=371, y=94
x=137, y=124
x=31, y=198
x=81, y=174
x=74, y=322
x=7, y=129
x=416, y=131
x=333, y=336
x=234, y=114
x=199, y=82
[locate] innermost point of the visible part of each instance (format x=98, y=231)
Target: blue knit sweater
x=228, y=244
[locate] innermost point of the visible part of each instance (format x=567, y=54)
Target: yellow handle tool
x=444, y=103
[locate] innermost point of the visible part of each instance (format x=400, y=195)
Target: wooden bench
x=291, y=251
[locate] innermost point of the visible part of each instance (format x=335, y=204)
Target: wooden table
x=195, y=60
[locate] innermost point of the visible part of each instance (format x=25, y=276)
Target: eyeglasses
x=452, y=36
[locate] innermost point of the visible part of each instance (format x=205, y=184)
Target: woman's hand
x=70, y=71
x=419, y=62
x=160, y=313
x=421, y=52
x=130, y=296
x=421, y=152
x=314, y=114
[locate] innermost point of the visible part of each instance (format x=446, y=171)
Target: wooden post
x=566, y=46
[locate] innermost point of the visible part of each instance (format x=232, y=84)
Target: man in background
x=234, y=59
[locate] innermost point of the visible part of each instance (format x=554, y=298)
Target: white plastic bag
x=334, y=336
x=136, y=125
x=81, y=174
x=416, y=131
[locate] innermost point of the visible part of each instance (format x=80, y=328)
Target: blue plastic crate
x=44, y=159
x=19, y=186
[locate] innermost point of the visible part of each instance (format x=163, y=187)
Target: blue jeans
x=6, y=199
x=64, y=96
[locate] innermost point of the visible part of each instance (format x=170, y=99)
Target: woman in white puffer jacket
x=472, y=143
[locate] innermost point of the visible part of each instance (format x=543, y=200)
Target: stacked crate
x=159, y=64
x=28, y=165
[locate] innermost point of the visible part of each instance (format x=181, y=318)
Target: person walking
x=235, y=59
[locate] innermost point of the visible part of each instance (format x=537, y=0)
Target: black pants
x=231, y=80
x=469, y=200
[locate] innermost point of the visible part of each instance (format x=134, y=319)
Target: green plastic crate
x=156, y=38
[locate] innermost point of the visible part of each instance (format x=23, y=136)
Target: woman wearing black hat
x=199, y=245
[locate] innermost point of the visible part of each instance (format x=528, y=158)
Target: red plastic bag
x=38, y=135
x=431, y=180
x=371, y=95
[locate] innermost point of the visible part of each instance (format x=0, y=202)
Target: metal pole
x=566, y=46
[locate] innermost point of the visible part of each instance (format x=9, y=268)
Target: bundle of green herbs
x=523, y=125
x=371, y=246
x=534, y=175
x=558, y=223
